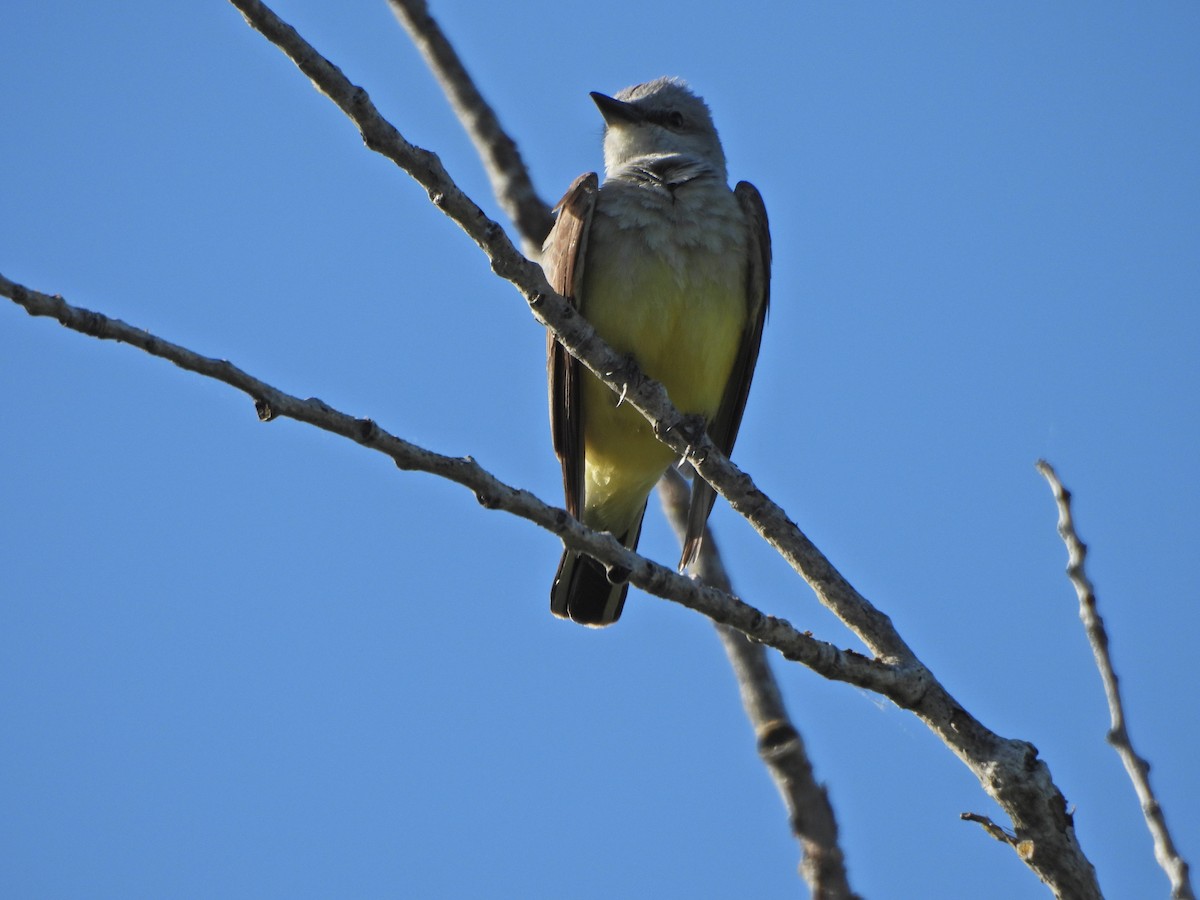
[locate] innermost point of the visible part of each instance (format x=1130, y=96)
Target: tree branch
x=684, y=434
x=1137, y=767
x=822, y=862
x=501, y=158
x=271, y=403
x=779, y=743
x=1008, y=770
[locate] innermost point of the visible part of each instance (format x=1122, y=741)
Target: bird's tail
x=585, y=592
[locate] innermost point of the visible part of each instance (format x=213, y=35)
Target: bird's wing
x=723, y=428
x=563, y=261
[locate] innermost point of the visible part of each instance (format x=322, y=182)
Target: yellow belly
x=684, y=331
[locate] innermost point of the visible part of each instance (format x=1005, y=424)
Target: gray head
x=659, y=117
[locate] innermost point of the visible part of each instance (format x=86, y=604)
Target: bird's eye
x=674, y=119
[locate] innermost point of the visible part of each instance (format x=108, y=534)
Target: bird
x=671, y=267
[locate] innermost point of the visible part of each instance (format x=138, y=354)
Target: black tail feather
x=583, y=593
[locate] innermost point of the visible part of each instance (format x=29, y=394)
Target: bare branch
x=501, y=158
x=1137, y=768
x=684, y=434
x=271, y=403
x=1008, y=770
x=780, y=745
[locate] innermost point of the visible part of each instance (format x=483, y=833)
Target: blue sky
x=256, y=660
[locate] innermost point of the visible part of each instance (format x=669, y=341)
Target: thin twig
x=822, y=862
x=1136, y=766
x=1023, y=848
x=501, y=159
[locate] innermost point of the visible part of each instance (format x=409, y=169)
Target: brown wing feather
x=563, y=261
x=723, y=428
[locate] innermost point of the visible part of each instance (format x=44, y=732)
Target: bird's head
x=660, y=116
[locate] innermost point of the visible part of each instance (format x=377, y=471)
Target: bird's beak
x=617, y=111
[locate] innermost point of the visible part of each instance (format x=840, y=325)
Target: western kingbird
x=672, y=267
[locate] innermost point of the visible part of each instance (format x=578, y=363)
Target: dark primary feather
x=583, y=589
x=563, y=260
x=723, y=429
